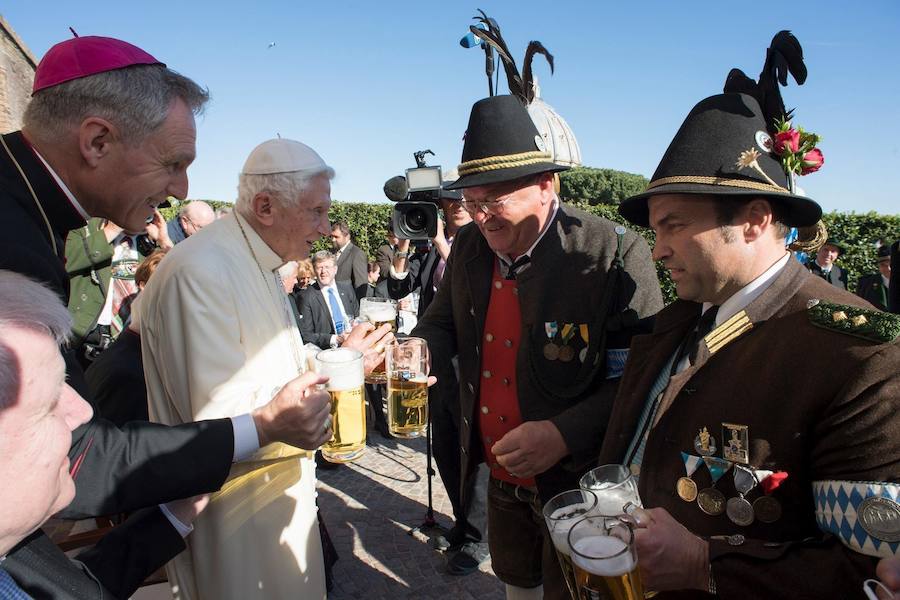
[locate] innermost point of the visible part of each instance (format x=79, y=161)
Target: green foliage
x=587, y=185
x=367, y=223
x=859, y=233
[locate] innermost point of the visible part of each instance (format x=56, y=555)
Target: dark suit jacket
x=872, y=289
x=420, y=277
x=117, y=470
x=836, y=276
x=116, y=381
x=353, y=266
x=384, y=256
x=565, y=283
x=819, y=404
x=113, y=568
x=379, y=290
x=315, y=320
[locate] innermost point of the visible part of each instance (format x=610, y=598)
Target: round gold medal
x=551, y=351
x=687, y=489
x=711, y=501
x=566, y=353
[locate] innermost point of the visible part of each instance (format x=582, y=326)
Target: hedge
x=858, y=232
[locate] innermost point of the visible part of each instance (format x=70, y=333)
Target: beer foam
x=378, y=312
x=620, y=562
x=339, y=366
x=560, y=524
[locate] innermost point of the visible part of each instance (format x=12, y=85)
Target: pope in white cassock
x=219, y=339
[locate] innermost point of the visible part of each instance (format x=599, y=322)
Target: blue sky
x=368, y=83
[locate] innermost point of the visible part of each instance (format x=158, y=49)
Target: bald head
x=195, y=216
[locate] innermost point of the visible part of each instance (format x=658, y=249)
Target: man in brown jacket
x=751, y=427
x=530, y=295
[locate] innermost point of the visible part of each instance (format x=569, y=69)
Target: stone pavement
x=369, y=506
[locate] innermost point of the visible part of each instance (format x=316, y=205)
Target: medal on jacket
x=566, y=352
x=687, y=487
x=736, y=443
x=585, y=335
x=551, y=350
x=767, y=508
x=738, y=509
x=710, y=500
x=704, y=443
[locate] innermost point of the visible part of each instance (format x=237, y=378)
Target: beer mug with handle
x=344, y=369
x=407, y=364
x=560, y=513
x=605, y=559
x=378, y=311
x=614, y=486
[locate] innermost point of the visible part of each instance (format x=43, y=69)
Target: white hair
x=26, y=304
x=288, y=269
x=285, y=187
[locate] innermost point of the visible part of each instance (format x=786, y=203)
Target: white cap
x=283, y=156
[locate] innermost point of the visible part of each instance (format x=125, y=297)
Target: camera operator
x=422, y=271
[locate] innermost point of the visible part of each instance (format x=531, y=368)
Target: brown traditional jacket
x=819, y=404
x=565, y=283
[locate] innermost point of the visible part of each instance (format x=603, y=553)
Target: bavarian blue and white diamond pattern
x=836, y=505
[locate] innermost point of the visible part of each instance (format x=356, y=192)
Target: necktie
x=516, y=265
x=336, y=312
x=691, y=346
x=9, y=589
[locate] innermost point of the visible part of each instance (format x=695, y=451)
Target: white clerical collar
x=508, y=261
x=63, y=187
x=750, y=292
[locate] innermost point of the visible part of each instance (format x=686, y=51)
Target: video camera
x=418, y=197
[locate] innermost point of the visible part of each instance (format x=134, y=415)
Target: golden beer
x=348, y=417
x=344, y=369
x=605, y=560
x=378, y=311
x=407, y=401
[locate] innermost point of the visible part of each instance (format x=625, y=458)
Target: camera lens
x=416, y=219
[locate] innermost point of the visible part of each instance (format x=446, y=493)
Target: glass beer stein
x=378, y=311
x=407, y=365
x=605, y=559
x=614, y=486
x=560, y=514
x=344, y=369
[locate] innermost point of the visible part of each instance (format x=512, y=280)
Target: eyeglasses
x=489, y=207
x=501, y=200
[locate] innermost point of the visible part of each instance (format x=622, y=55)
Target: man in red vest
x=539, y=300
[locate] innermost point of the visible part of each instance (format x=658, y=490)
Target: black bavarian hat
x=836, y=243
x=721, y=134
x=502, y=144
x=724, y=146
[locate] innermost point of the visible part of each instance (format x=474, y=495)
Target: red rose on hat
x=787, y=142
x=811, y=161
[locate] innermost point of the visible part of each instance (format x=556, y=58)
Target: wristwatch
x=401, y=254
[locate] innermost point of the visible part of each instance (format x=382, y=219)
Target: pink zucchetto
x=83, y=56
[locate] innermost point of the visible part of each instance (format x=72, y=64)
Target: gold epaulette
x=868, y=324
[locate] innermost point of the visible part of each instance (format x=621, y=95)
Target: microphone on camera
x=396, y=188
